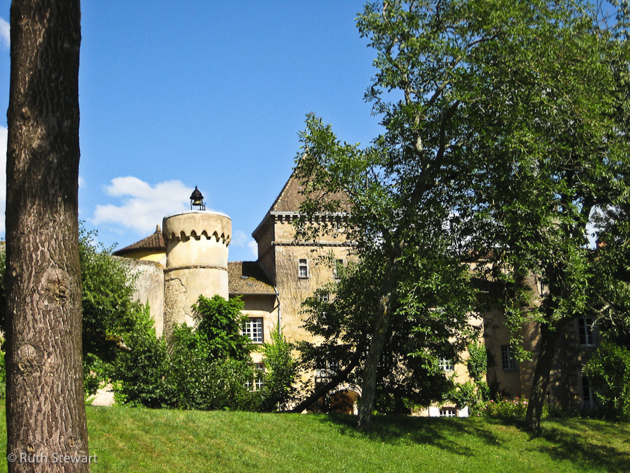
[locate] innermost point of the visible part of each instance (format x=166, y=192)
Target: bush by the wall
x=608, y=372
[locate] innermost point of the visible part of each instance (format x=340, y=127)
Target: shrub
x=140, y=374
x=506, y=408
x=280, y=373
x=608, y=372
x=206, y=368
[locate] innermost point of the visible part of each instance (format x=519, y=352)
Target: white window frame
x=259, y=378
x=586, y=331
x=303, y=270
x=324, y=375
x=508, y=361
x=448, y=412
x=254, y=328
x=446, y=365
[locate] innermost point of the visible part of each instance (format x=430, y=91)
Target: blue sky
x=207, y=93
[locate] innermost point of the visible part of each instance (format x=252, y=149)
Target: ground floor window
x=587, y=393
x=508, y=360
x=258, y=381
x=447, y=412
x=446, y=364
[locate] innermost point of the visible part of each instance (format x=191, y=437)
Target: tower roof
x=154, y=241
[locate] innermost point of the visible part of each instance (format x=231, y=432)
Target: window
x=508, y=361
x=447, y=412
x=445, y=364
x=338, y=268
x=586, y=331
x=324, y=297
x=587, y=393
x=324, y=375
x=303, y=268
x=259, y=378
x=253, y=328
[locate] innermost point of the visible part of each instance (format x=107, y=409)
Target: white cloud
x=143, y=206
x=5, y=36
x=253, y=246
x=4, y=133
x=81, y=183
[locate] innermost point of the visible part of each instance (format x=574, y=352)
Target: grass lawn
x=142, y=440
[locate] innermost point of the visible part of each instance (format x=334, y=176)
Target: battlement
x=197, y=225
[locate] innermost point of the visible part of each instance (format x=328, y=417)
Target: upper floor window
x=338, y=268
x=508, y=360
x=253, y=329
x=303, y=268
x=586, y=332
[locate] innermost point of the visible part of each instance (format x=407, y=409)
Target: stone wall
x=149, y=288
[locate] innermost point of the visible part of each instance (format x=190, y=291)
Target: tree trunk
x=45, y=404
x=333, y=383
x=548, y=338
x=368, y=384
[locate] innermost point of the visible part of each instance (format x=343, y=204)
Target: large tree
x=552, y=135
x=45, y=403
x=504, y=126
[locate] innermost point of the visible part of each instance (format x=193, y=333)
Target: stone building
x=190, y=257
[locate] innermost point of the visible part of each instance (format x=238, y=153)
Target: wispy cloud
x=143, y=206
x=4, y=133
x=5, y=32
x=253, y=246
x=240, y=240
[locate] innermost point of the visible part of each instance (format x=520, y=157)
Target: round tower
x=196, y=262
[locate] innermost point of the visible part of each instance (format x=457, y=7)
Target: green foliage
x=140, y=375
x=505, y=408
x=109, y=309
x=203, y=380
x=219, y=323
x=206, y=368
x=280, y=372
x=477, y=362
x=3, y=376
x=429, y=324
x=505, y=128
x=608, y=372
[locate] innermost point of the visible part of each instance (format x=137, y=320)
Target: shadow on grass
x=586, y=444
x=455, y=435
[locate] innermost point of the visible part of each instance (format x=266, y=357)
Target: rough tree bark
x=45, y=404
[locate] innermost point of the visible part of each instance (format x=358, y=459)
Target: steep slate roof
x=246, y=277
x=152, y=242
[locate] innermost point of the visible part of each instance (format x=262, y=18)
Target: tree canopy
x=504, y=128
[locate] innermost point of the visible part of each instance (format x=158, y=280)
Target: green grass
x=139, y=440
